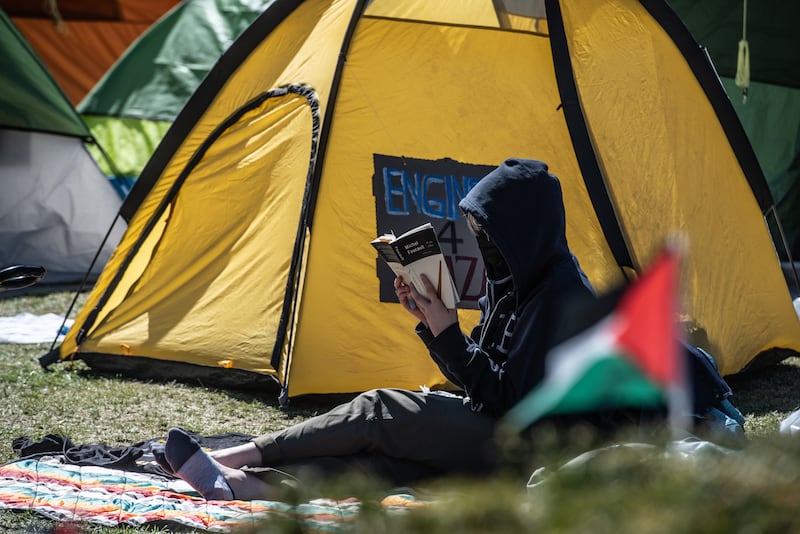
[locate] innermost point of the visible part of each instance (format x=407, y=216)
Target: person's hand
x=403, y=292
x=436, y=315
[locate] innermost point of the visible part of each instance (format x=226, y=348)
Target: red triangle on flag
x=645, y=321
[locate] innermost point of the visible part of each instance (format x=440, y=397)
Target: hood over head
x=520, y=207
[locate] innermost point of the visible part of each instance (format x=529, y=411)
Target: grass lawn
x=756, y=489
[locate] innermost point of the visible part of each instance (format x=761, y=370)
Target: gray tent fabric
x=55, y=207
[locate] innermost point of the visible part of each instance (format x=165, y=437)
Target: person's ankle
x=191, y=463
x=249, y=487
x=239, y=456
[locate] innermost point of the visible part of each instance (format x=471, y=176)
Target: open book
x=415, y=253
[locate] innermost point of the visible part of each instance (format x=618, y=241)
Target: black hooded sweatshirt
x=520, y=207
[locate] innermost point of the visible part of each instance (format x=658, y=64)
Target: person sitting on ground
x=517, y=215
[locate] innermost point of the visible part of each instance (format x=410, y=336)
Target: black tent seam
x=310, y=201
x=335, y=85
x=581, y=140
x=289, y=308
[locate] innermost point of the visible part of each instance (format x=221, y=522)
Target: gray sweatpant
x=399, y=435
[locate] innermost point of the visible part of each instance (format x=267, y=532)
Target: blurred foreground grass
x=756, y=489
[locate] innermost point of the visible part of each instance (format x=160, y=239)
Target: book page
x=415, y=253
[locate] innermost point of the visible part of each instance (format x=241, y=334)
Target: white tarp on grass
x=30, y=328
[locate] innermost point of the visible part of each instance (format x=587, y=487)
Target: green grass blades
x=755, y=489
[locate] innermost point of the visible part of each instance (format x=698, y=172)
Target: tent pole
x=785, y=243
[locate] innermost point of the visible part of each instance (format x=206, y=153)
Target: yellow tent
x=329, y=122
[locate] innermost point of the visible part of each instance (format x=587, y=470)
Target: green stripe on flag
x=607, y=381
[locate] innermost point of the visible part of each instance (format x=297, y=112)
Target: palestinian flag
x=631, y=358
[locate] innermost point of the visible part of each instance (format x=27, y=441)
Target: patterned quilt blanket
x=111, y=497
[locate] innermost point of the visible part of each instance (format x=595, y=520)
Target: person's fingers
x=430, y=289
x=405, y=296
x=420, y=301
x=405, y=300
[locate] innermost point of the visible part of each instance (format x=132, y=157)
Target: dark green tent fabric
x=133, y=105
x=771, y=118
x=771, y=113
x=771, y=32
x=31, y=98
x=160, y=71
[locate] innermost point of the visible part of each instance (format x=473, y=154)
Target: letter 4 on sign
x=409, y=192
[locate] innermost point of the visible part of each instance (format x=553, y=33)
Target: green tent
x=770, y=113
x=133, y=105
x=56, y=205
